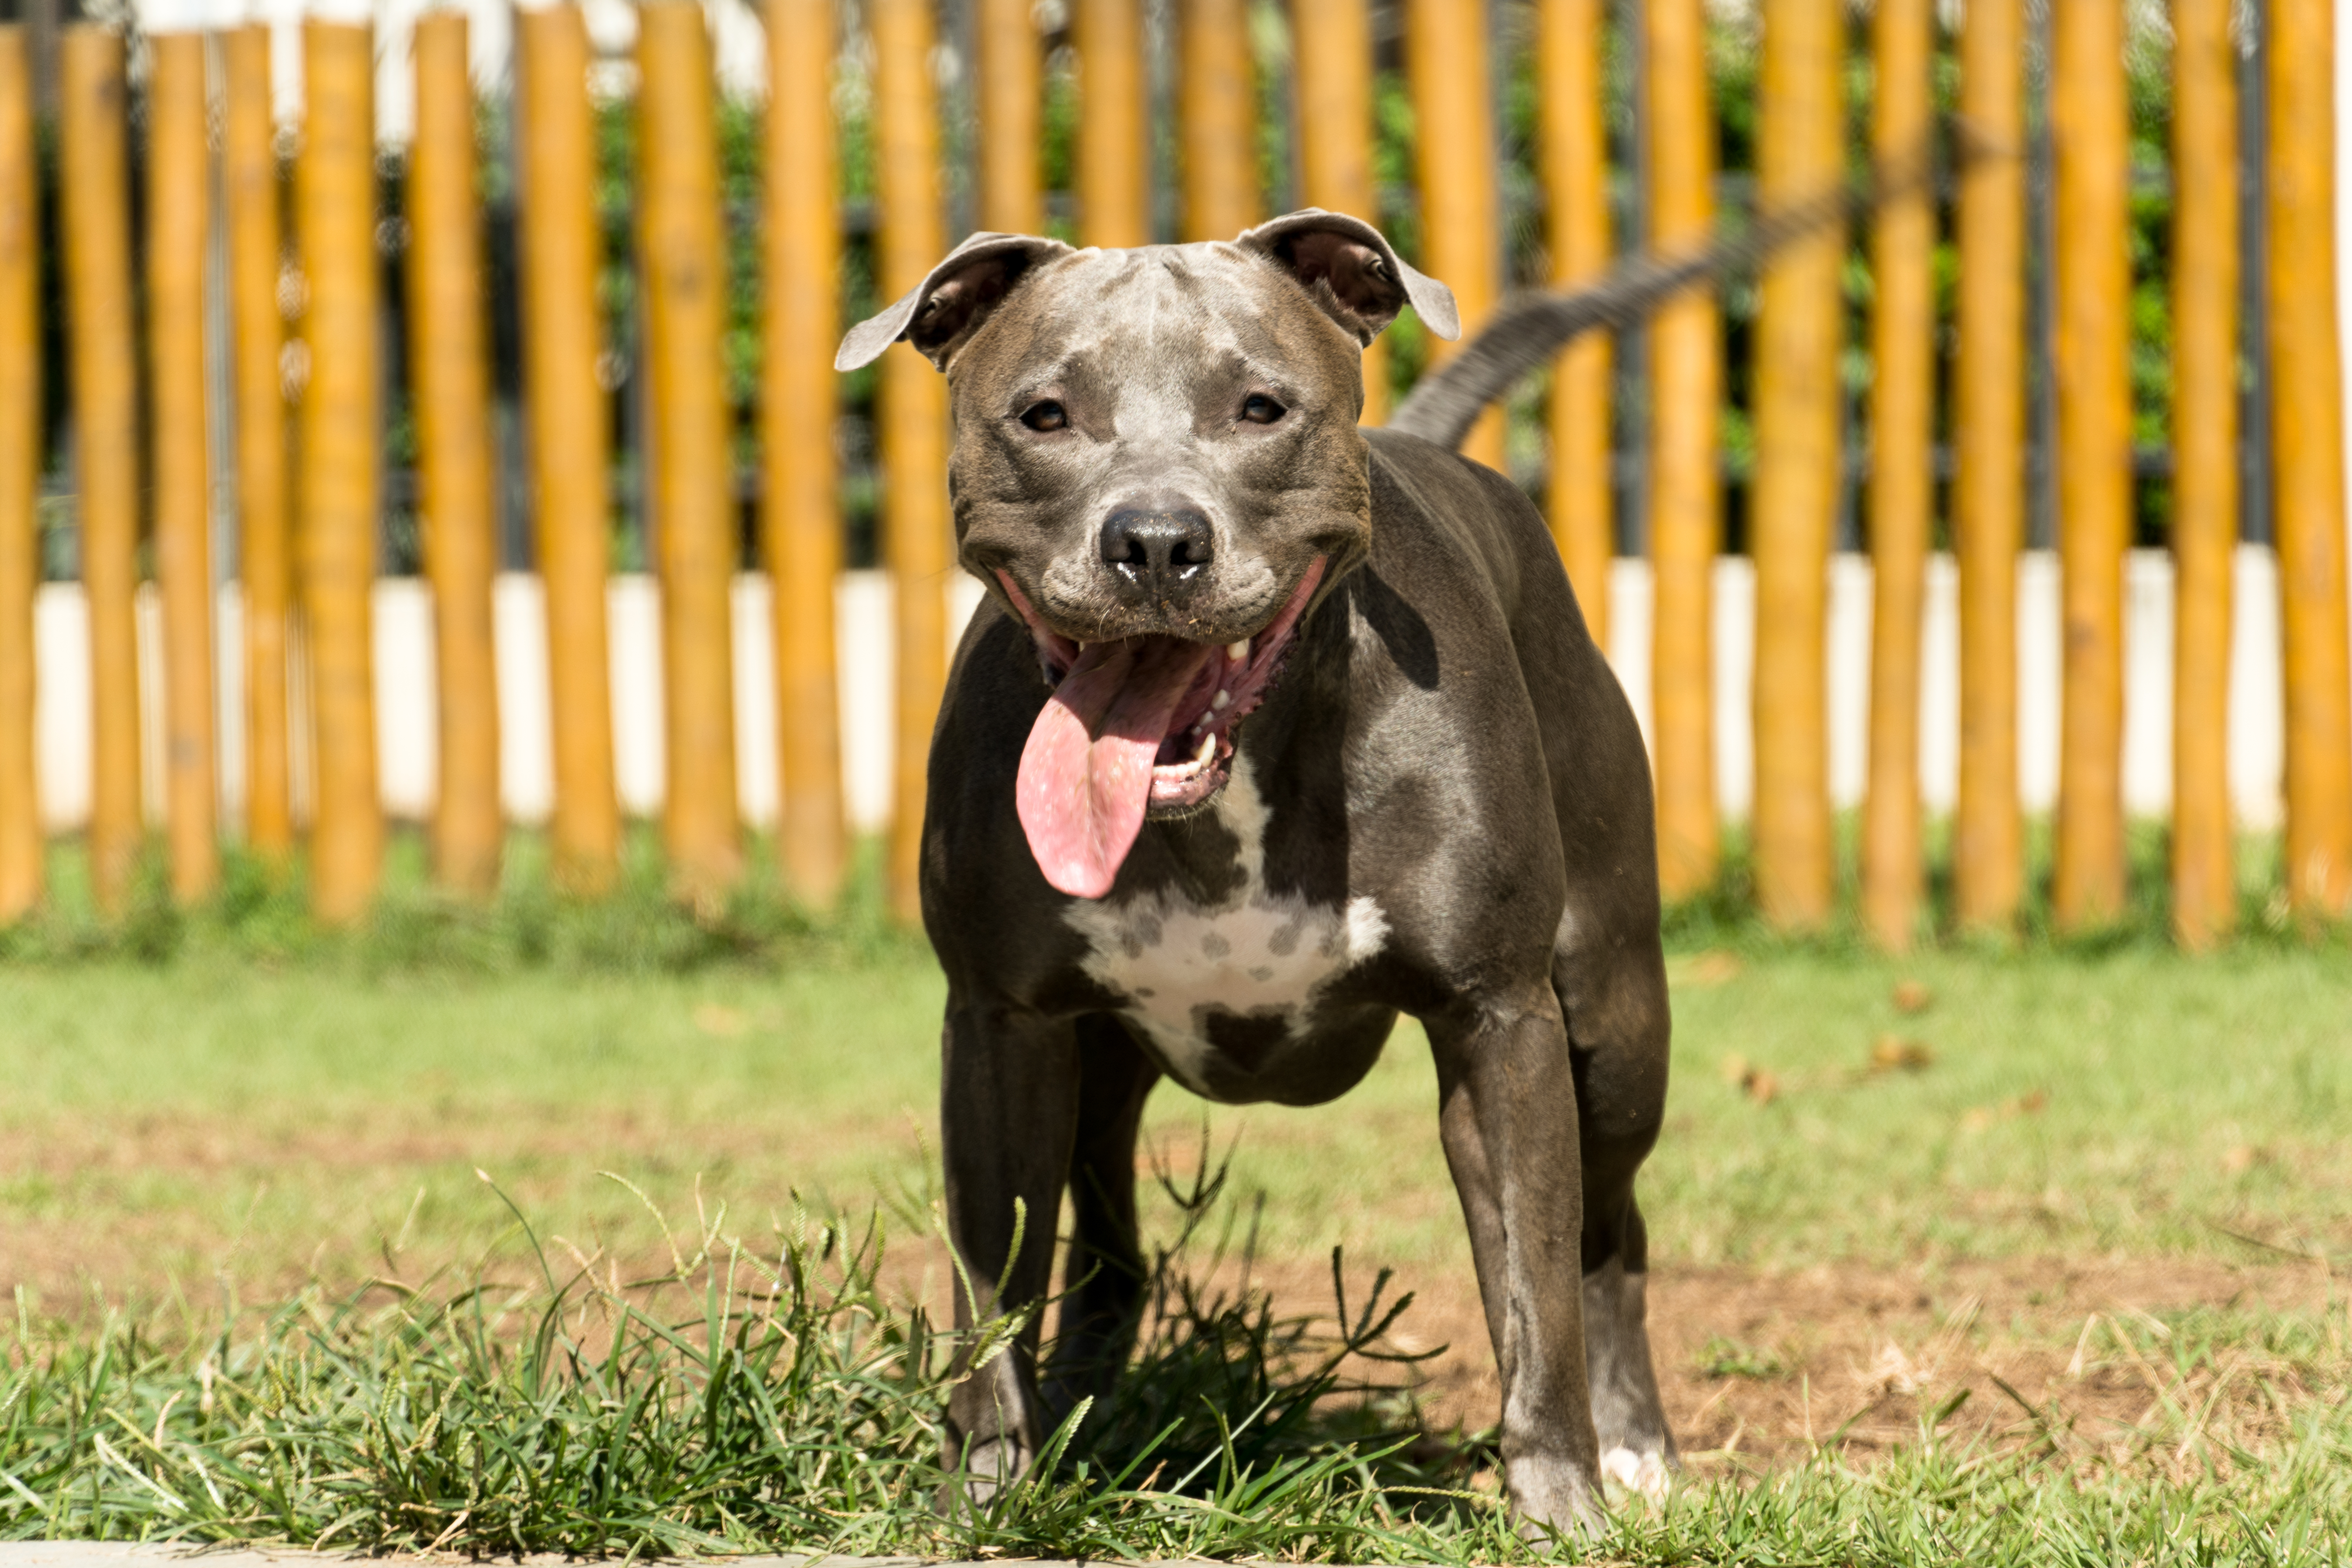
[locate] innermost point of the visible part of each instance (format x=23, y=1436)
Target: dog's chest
x=1222, y=989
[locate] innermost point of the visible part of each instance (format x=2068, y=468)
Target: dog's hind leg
x=1104, y=1279
x=1620, y=1053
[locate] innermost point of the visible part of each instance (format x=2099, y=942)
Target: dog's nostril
x=1159, y=543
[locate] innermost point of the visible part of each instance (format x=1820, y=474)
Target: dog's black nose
x=1163, y=552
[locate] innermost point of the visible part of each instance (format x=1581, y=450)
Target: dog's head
x=1157, y=466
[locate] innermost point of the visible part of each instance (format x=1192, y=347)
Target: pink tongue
x=1085, y=775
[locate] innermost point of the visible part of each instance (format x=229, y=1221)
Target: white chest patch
x=1253, y=961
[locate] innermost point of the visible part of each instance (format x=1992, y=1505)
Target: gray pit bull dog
x=1271, y=729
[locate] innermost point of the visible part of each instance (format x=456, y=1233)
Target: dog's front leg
x=1008, y=1116
x=1508, y=1114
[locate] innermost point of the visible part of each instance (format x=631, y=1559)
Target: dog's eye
x=1046, y=416
x=1260, y=409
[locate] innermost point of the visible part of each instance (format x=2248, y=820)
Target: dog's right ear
x=941, y=312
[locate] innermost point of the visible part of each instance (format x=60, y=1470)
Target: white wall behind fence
x=404, y=683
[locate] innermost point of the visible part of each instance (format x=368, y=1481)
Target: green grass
x=211, y=1111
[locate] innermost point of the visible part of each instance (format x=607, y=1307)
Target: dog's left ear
x=1352, y=271
x=941, y=312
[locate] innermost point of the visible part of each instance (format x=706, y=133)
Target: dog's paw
x=1643, y=1475
x=990, y=1466
x=1553, y=1497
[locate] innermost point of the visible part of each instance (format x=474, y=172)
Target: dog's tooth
x=1238, y=652
x=1208, y=750
x=1217, y=703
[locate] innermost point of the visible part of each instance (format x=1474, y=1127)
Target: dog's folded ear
x=1352, y=271
x=945, y=308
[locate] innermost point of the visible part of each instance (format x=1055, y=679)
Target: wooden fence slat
x=800, y=519
x=2205, y=282
x=1799, y=332
x=693, y=462
x=258, y=330
x=913, y=407
x=1331, y=49
x=21, y=850
x=178, y=179
x=2090, y=139
x=1454, y=162
x=1218, y=81
x=335, y=220
x=568, y=413
x=1575, y=165
x=178, y=184
x=449, y=358
x=1114, y=132
x=1989, y=490
x=2307, y=434
x=95, y=196
x=1685, y=488
x=1011, y=113
x=1902, y=485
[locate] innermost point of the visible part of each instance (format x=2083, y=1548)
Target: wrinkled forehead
x=1158, y=320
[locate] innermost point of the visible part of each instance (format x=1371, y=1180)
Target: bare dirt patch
x=1768, y=1366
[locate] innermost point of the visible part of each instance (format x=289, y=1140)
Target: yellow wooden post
x=693, y=450
x=449, y=354
x=1114, y=132
x=1988, y=493
x=2204, y=462
x=1454, y=162
x=1220, y=120
x=2089, y=131
x=1685, y=488
x=1011, y=117
x=1801, y=128
x=178, y=177
x=1902, y=485
x=95, y=198
x=1576, y=197
x=1331, y=49
x=334, y=207
x=249, y=195
x=914, y=410
x=20, y=475
x=563, y=333
x=799, y=516
x=2307, y=434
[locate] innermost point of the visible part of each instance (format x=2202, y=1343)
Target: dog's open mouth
x=1142, y=725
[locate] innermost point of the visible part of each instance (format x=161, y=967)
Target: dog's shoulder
x=1435, y=512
